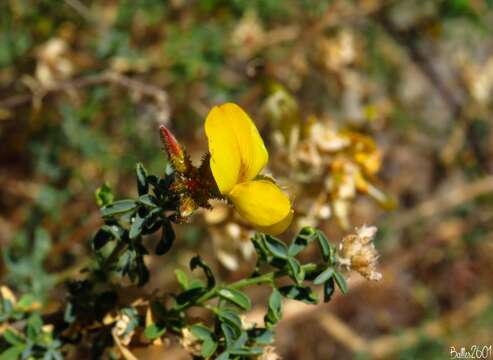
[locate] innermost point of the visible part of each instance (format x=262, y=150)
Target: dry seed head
x=357, y=252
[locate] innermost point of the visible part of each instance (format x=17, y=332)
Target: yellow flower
x=238, y=154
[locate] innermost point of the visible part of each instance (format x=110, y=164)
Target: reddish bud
x=173, y=148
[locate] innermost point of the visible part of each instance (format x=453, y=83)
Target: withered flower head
x=269, y=354
x=358, y=253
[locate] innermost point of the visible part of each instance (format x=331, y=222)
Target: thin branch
x=142, y=88
x=444, y=202
x=385, y=346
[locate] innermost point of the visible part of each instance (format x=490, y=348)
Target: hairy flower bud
x=176, y=154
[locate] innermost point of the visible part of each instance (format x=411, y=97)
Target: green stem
x=257, y=280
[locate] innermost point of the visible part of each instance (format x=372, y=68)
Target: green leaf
x=328, y=289
x=197, y=261
x=296, y=270
x=201, y=332
x=209, y=347
x=34, y=324
x=118, y=208
x=148, y=200
x=304, y=237
x=236, y=297
x=324, y=245
x=276, y=247
x=261, y=336
x=230, y=317
x=324, y=276
x=25, y=302
x=240, y=341
x=101, y=238
x=153, y=331
x=229, y=334
x=167, y=238
x=13, y=338
x=190, y=295
x=300, y=293
x=142, y=185
x=274, y=311
x=104, y=196
x=153, y=221
x=114, y=230
x=12, y=353
x=341, y=282
x=137, y=225
x=182, y=278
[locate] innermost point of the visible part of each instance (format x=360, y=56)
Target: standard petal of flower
x=260, y=202
x=237, y=151
x=279, y=227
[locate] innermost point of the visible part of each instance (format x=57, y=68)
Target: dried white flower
x=269, y=354
x=120, y=330
x=357, y=252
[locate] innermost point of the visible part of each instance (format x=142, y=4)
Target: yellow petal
x=260, y=202
x=279, y=227
x=237, y=151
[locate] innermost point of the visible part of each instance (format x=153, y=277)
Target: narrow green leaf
x=101, y=238
x=148, y=200
x=296, y=270
x=118, y=207
x=12, y=353
x=229, y=334
x=231, y=318
x=209, y=347
x=274, y=310
x=182, y=278
x=201, y=332
x=137, y=224
x=302, y=240
x=34, y=324
x=236, y=297
x=324, y=276
x=25, y=302
x=324, y=245
x=328, y=289
x=341, y=282
x=276, y=247
x=262, y=336
x=190, y=295
x=300, y=293
x=240, y=341
x=167, y=238
x=13, y=338
x=142, y=185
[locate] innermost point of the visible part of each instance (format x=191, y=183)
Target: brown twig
x=443, y=202
x=159, y=95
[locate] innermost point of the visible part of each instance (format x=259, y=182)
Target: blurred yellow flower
x=238, y=154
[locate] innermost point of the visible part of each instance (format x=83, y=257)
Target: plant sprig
x=94, y=312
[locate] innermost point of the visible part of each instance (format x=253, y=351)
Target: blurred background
x=374, y=112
